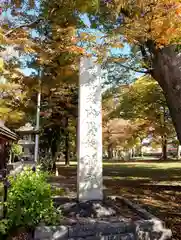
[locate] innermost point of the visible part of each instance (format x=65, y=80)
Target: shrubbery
x=46, y=163
x=16, y=149
x=29, y=201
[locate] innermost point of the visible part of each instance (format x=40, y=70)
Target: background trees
x=145, y=105
x=46, y=41
x=45, y=45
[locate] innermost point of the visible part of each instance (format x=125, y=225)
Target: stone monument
x=89, y=171
x=92, y=218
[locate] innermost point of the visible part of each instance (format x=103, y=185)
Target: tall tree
x=152, y=29
x=42, y=40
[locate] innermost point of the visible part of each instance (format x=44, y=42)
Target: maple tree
x=53, y=52
x=146, y=106
x=152, y=29
x=59, y=109
x=12, y=104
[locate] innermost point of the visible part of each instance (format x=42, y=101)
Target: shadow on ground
x=155, y=186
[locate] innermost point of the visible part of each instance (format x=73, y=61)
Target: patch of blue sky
x=116, y=52
x=85, y=20
x=28, y=71
x=121, y=51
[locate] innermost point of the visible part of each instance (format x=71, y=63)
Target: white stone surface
x=89, y=171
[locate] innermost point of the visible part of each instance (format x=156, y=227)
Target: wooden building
x=6, y=138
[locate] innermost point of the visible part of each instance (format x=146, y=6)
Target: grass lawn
x=154, y=185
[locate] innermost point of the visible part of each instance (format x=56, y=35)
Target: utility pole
x=38, y=117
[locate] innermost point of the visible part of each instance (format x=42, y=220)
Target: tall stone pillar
x=89, y=170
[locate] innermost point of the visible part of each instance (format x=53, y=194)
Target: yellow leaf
x=1, y=64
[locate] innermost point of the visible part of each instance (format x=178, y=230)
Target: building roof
x=6, y=132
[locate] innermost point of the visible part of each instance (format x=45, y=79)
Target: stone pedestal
x=89, y=175
x=102, y=220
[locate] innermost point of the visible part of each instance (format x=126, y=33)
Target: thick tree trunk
x=166, y=71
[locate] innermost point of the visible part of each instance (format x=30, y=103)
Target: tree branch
x=143, y=52
x=112, y=60
x=135, y=70
x=28, y=25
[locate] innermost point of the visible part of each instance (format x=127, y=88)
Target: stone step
x=128, y=236
x=62, y=233
x=139, y=230
x=99, y=228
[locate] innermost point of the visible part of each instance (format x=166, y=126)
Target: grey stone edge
x=150, y=228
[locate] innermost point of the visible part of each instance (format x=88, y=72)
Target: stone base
x=15, y=168
x=146, y=227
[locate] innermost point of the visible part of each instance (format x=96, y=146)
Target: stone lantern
x=27, y=141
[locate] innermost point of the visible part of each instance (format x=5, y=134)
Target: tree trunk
x=178, y=151
x=53, y=153
x=166, y=71
x=164, y=148
x=132, y=152
x=141, y=151
x=109, y=151
x=67, y=157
